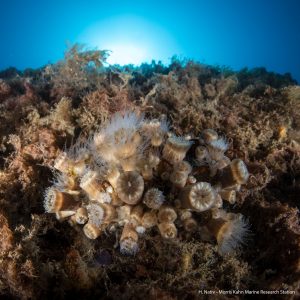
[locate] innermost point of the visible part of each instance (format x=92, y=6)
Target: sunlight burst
x=127, y=54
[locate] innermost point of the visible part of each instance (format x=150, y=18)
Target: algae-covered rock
x=147, y=176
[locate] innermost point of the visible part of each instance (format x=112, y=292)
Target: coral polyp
x=230, y=231
x=114, y=180
x=198, y=197
x=130, y=187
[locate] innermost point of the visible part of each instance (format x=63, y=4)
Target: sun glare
x=131, y=40
x=127, y=54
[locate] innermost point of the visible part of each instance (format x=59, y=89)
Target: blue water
x=235, y=33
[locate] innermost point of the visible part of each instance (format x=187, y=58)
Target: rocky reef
x=153, y=181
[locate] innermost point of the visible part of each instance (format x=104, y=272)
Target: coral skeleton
x=114, y=180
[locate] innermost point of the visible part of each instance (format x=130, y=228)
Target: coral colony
x=135, y=174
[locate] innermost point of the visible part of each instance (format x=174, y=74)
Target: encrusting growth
x=135, y=175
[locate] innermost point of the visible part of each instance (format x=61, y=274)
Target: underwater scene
x=150, y=150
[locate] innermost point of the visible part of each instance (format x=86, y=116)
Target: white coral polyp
x=235, y=236
x=129, y=247
x=220, y=144
x=129, y=121
x=95, y=214
x=120, y=139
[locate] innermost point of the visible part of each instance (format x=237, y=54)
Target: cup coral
x=134, y=175
x=230, y=231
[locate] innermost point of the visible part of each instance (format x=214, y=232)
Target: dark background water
x=225, y=32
